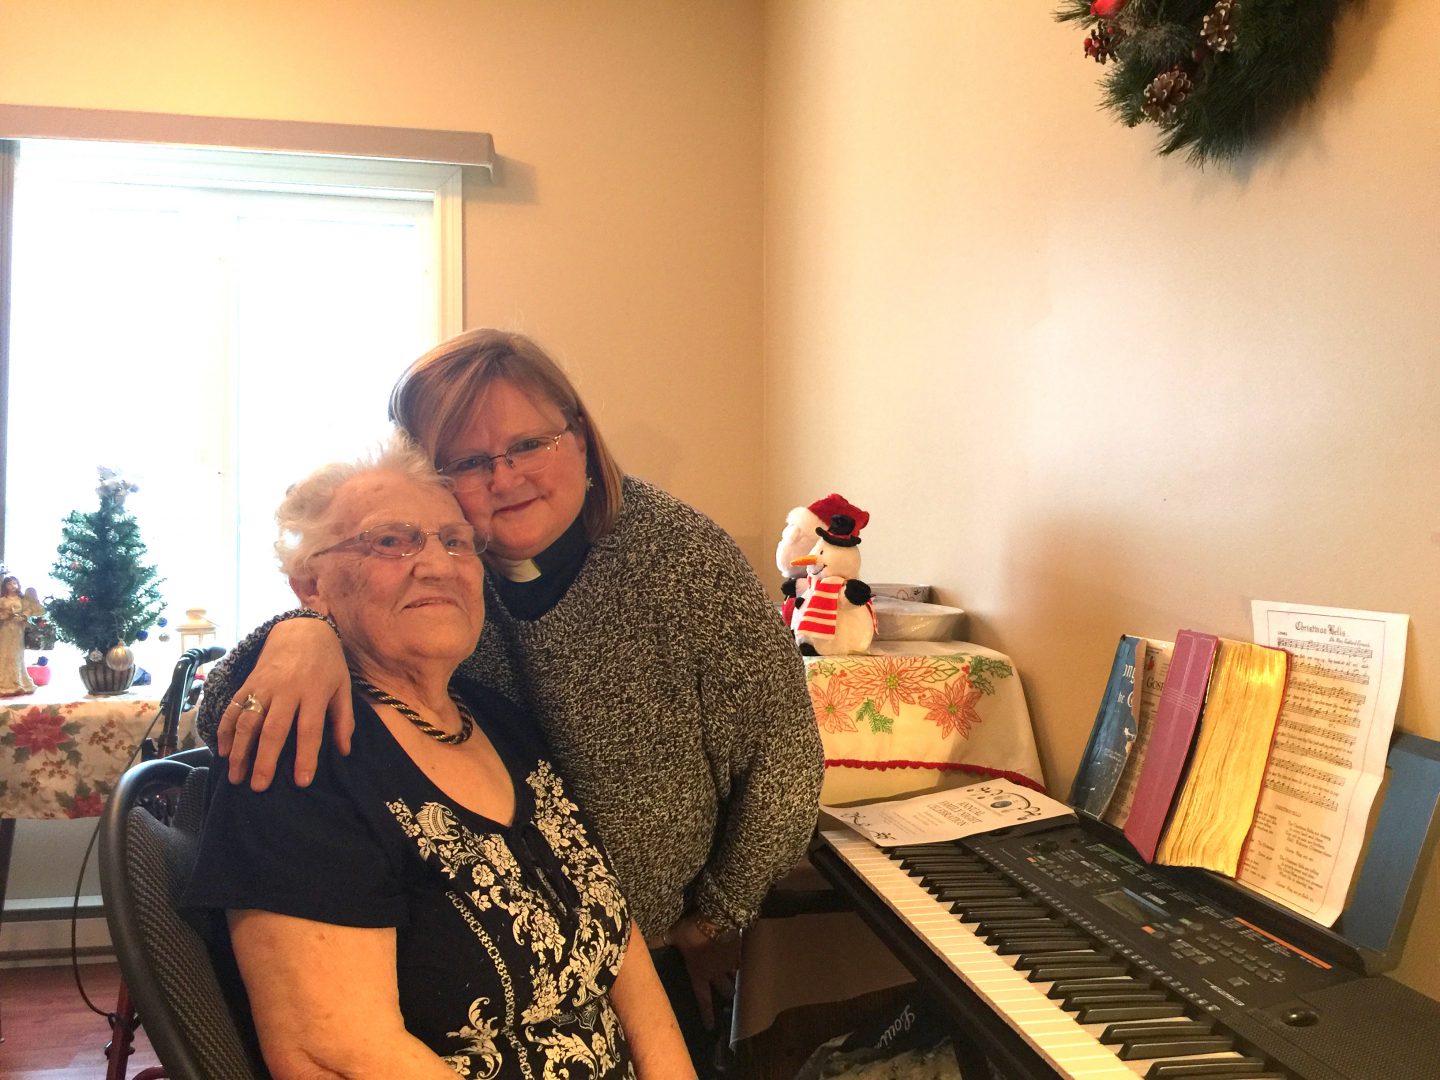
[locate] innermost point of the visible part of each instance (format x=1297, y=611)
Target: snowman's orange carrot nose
x=806, y=560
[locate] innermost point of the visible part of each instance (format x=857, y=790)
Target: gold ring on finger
x=250, y=703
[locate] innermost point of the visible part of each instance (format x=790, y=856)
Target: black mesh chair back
x=148, y=840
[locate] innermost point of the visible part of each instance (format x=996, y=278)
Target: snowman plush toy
x=802, y=525
x=833, y=613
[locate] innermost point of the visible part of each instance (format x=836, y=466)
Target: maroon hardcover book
x=1176, y=718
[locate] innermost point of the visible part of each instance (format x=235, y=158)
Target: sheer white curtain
x=213, y=334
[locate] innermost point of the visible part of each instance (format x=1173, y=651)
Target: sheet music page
x=1151, y=681
x=948, y=815
x=1329, y=752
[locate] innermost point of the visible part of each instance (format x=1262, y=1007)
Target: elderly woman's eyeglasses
x=399, y=539
x=526, y=457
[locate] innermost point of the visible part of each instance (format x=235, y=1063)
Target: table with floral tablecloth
x=910, y=714
x=61, y=753
x=907, y=717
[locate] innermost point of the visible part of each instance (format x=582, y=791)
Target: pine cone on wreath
x=1100, y=45
x=1218, y=27
x=1166, y=93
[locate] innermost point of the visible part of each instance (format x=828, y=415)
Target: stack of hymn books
x=1178, y=752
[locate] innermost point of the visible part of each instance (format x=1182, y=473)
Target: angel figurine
x=16, y=609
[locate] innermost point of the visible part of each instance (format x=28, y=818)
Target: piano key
x=1135, y=1029
x=972, y=893
x=981, y=910
x=1028, y=961
x=1104, y=1014
x=1037, y=928
x=1082, y=998
x=996, y=926
x=935, y=882
x=922, y=865
x=1041, y=938
x=1247, y=1066
x=905, y=851
x=1036, y=940
x=1159, y=1046
x=1066, y=987
x=1060, y=970
x=947, y=874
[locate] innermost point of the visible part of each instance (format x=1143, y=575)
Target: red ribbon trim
x=943, y=766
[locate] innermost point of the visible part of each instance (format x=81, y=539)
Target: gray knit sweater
x=673, y=701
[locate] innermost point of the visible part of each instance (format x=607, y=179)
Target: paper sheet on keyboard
x=1328, y=757
x=948, y=815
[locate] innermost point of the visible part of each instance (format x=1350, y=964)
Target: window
x=212, y=324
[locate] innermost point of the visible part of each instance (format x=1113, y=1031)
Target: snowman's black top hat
x=843, y=531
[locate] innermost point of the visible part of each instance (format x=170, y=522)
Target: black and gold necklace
x=467, y=718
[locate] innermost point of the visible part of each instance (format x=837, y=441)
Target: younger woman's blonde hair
x=434, y=398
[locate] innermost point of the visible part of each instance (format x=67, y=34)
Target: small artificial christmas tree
x=114, y=597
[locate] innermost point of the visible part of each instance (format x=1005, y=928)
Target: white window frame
x=310, y=174
x=265, y=170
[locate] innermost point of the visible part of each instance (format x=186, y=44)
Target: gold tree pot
x=101, y=679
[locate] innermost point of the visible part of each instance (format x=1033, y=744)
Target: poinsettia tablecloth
x=910, y=711
x=61, y=752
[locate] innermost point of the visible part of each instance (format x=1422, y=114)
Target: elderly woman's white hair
x=307, y=502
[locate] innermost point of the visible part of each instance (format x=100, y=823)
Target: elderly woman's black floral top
x=508, y=937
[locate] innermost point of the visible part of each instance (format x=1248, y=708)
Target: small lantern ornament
x=196, y=631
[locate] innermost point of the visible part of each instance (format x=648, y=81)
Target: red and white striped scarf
x=822, y=607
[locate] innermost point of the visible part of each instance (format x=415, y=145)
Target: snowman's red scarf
x=822, y=607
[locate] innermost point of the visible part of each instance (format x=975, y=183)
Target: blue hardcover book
x=1116, y=726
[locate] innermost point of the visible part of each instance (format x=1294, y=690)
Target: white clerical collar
x=520, y=570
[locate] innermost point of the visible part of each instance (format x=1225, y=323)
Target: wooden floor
x=49, y=1032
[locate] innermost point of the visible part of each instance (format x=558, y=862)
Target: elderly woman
x=633, y=628
x=434, y=903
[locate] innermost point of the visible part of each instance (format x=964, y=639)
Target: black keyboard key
x=1211, y=1069
x=1174, y=1046
x=1109, y=1014
x=1062, y=943
x=980, y=910
x=1041, y=928
x=1140, y=1029
x=957, y=862
x=1083, y=998
x=972, y=893
x=1027, y=960
x=1019, y=922
x=935, y=882
x=905, y=851
x=1021, y=935
x=1065, y=987
x=1061, y=970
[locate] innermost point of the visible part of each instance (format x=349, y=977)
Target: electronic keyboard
x=1055, y=952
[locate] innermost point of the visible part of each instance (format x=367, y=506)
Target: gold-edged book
x=1214, y=811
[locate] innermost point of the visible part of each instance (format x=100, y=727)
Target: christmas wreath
x=1213, y=75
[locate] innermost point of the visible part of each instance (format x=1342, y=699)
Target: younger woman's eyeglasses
x=399, y=539
x=526, y=457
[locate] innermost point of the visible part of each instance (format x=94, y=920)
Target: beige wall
x=625, y=231
x=1086, y=391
